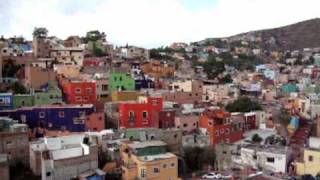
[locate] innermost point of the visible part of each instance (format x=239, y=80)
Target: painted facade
x=53, y=117
x=138, y=115
x=121, y=82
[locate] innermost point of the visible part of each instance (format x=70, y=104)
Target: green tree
x=243, y=104
x=40, y=32
x=95, y=35
x=196, y=157
x=10, y=69
x=18, y=88
x=256, y=138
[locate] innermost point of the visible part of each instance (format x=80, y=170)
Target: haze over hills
x=305, y=34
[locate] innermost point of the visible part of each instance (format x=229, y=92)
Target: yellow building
x=148, y=160
x=311, y=159
x=124, y=96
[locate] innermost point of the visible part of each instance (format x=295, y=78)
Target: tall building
x=14, y=141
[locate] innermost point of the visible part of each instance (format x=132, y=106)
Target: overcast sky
x=151, y=23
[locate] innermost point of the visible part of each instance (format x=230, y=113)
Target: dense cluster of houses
x=68, y=105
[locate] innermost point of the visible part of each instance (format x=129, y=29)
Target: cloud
x=151, y=23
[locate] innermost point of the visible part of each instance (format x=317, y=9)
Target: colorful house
x=22, y=100
x=6, y=101
x=144, y=82
x=140, y=114
x=53, y=117
x=148, y=160
x=124, y=96
x=50, y=95
x=95, y=121
x=310, y=164
x=121, y=82
x=167, y=118
x=78, y=91
x=218, y=125
x=289, y=88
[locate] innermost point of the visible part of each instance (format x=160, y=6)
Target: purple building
x=53, y=117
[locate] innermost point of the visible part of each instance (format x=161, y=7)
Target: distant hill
x=305, y=34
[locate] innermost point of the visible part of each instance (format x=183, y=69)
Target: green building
x=52, y=96
x=311, y=89
x=289, y=88
x=121, y=82
x=22, y=100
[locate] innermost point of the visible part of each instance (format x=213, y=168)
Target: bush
x=243, y=104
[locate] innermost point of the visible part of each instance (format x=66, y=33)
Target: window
x=89, y=90
x=82, y=113
x=310, y=158
x=185, y=125
x=255, y=157
x=164, y=166
x=144, y=114
x=120, y=79
x=61, y=114
x=270, y=159
x=143, y=173
x=41, y=114
x=154, y=102
x=78, y=91
x=48, y=174
x=104, y=87
x=78, y=98
x=8, y=142
x=156, y=170
x=217, y=132
x=86, y=98
x=227, y=131
x=172, y=165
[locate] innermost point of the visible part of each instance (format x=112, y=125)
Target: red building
x=250, y=121
x=167, y=118
x=139, y=115
x=94, y=62
x=79, y=92
x=220, y=128
x=95, y=121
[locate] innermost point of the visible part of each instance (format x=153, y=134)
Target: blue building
x=6, y=101
x=144, y=82
x=54, y=117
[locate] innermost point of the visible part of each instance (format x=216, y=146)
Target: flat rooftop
x=137, y=145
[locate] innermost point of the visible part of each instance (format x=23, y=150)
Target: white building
x=181, y=86
x=267, y=158
x=61, y=158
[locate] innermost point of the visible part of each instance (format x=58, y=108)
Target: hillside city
x=82, y=108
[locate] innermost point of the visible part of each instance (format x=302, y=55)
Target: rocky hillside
x=297, y=36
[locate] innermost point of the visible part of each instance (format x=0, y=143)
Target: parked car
x=212, y=175
x=226, y=176
x=256, y=174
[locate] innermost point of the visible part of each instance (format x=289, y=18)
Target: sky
x=151, y=23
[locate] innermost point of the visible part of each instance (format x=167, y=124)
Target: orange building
x=220, y=128
x=158, y=69
x=78, y=91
